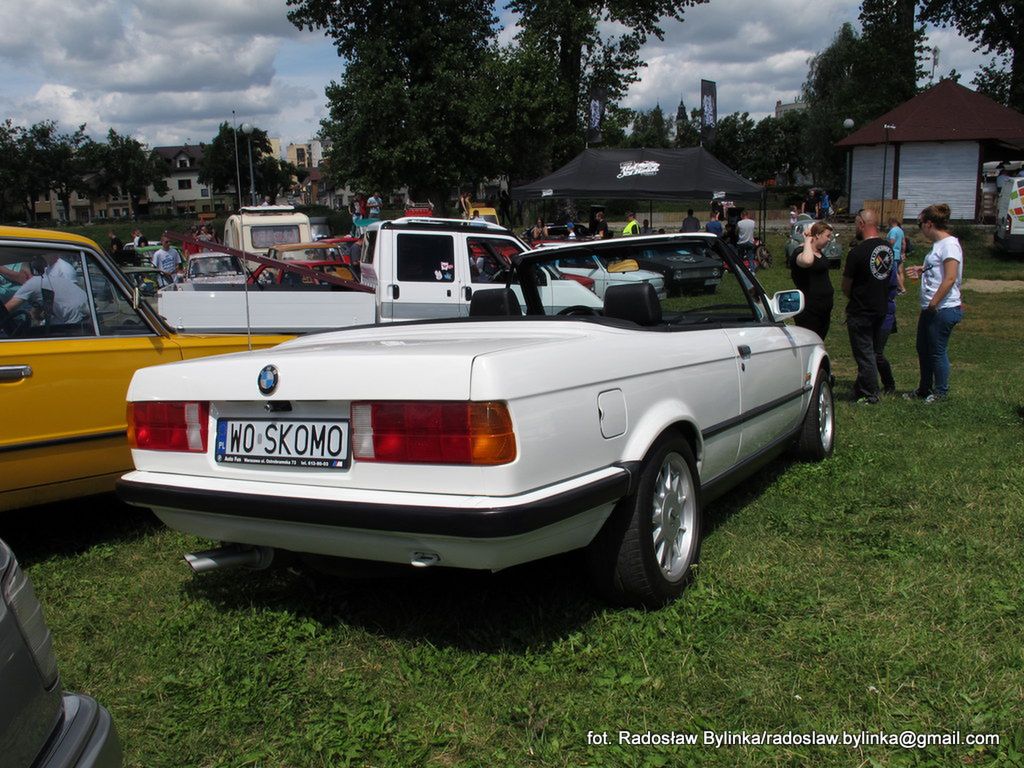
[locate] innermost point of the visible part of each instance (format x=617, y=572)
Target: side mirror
x=786, y=304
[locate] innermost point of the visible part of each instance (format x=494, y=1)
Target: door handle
x=468, y=292
x=15, y=372
x=394, y=291
x=744, y=351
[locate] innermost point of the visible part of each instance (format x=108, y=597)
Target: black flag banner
x=595, y=113
x=708, y=111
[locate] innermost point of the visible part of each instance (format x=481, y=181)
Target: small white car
x=492, y=440
x=590, y=263
x=216, y=268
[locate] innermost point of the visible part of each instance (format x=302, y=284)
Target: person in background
x=632, y=227
x=601, y=230
x=810, y=273
x=1001, y=178
x=166, y=260
x=888, y=328
x=745, y=240
x=824, y=205
x=690, y=223
x=570, y=229
x=477, y=218
x=715, y=225
x=374, y=203
x=68, y=303
x=866, y=284
x=646, y=228
x=941, y=276
x=116, y=244
x=792, y=216
x=897, y=239
x=538, y=231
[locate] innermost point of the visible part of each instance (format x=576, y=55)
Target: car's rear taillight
x=168, y=426
x=433, y=432
x=20, y=597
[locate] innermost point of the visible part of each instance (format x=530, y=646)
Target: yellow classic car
x=72, y=333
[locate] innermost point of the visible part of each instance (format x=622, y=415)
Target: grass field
x=879, y=591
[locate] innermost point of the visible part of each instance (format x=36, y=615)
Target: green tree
x=993, y=80
x=833, y=92
x=30, y=164
x=71, y=165
x=734, y=143
x=994, y=26
x=9, y=174
x=411, y=107
x=888, y=62
x=220, y=166
x=126, y=165
x=650, y=130
x=570, y=32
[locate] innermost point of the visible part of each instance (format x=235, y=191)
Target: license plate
x=319, y=444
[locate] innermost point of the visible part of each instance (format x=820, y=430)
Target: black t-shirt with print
x=813, y=280
x=869, y=265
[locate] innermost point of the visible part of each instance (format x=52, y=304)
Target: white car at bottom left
x=492, y=440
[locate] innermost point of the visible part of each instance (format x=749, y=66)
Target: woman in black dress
x=810, y=275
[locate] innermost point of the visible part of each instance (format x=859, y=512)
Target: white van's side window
x=425, y=258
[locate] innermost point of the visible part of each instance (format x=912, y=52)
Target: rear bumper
x=464, y=531
x=86, y=737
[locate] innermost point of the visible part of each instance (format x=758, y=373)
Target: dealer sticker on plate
x=283, y=442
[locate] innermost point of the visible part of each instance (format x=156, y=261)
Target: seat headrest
x=637, y=302
x=495, y=302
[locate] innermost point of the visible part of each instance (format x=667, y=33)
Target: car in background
x=690, y=263
x=211, y=267
x=320, y=251
x=319, y=228
x=63, y=374
x=833, y=251
x=42, y=725
x=607, y=269
x=265, y=274
x=495, y=439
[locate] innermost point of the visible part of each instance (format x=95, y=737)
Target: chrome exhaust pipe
x=230, y=556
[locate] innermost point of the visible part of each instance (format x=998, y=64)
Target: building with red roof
x=931, y=149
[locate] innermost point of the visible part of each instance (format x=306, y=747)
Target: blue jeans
x=933, y=331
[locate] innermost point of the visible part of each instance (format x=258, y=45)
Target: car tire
x=632, y=560
x=818, y=434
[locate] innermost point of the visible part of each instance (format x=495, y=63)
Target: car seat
x=495, y=302
x=637, y=302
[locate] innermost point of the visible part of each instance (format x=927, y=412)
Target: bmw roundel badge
x=267, y=380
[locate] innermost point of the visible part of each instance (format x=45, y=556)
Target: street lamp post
x=848, y=126
x=885, y=162
x=247, y=129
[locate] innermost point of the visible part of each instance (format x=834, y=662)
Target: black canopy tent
x=642, y=174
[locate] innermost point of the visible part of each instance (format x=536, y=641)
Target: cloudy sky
x=170, y=71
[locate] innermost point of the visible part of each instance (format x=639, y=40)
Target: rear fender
x=658, y=418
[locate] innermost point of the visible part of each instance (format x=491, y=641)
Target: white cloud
x=170, y=70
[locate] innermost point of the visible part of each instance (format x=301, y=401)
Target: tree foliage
x=687, y=127
x=71, y=165
x=221, y=166
x=125, y=165
x=994, y=26
x=571, y=33
x=411, y=107
x=650, y=130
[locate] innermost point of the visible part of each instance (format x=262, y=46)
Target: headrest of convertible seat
x=637, y=302
x=495, y=302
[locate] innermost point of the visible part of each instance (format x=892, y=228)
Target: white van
x=259, y=228
x=1010, y=217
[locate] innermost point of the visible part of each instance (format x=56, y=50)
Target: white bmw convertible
x=491, y=440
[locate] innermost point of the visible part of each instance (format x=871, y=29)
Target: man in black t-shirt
x=866, y=285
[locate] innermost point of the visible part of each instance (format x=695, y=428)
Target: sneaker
x=914, y=395
x=889, y=391
x=933, y=398
x=868, y=400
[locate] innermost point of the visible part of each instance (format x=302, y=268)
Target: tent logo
x=633, y=168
